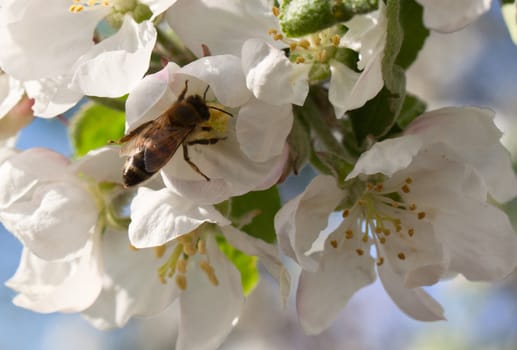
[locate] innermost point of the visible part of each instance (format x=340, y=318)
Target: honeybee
x=151, y=145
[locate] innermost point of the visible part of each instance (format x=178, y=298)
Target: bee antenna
x=204, y=93
x=221, y=110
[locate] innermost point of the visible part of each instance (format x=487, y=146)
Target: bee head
x=200, y=106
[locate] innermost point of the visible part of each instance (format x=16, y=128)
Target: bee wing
x=132, y=142
x=160, y=144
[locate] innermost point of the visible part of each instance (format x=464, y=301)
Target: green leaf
x=95, y=125
x=302, y=17
x=260, y=207
x=247, y=265
x=415, y=33
x=412, y=108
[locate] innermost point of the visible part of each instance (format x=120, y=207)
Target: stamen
x=272, y=31
x=299, y=59
x=159, y=251
x=412, y=207
x=209, y=271
x=345, y=213
x=365, y=238
x=349, y=234
x=293, y=46
x=336, y=39
x=359, y=252
x=181, y=266
x=386, y=232
x=276, y=11
x=421, y=215
x=304, y=43
x=76, y=8
x=278, y=37
x=409, y=181
x=405, y=188
x=201, y=246
x=411, y=232
x=379, y=187
x=181, y=282
x=132, y=247
x=401, y=256
x=382, y=240
x=380, y=261
x=333, y=243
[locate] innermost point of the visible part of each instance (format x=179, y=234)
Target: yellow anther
x=365, y=238
x=316, y=40
x=181, y=266
x=380, y=261
x=278, y=36
x=106, y=3
x=276, y=11
x=304, y=43
x=336, y=39
x=293, y=46
x=162, y=279
x=398, y=228
x=382, y=240
x=401, y=256
x=405, y=188
x=378, y=230
x=409, y=181
x=411, y=232
x=92, y=2
x=321, y=55
x=181, y=281
x=395, y=204
x=359, y=251
x=333, y=243
x=349, y=234
x=345, y=213
x=386, y=232
x=201, y=246
x=209, y=271
x=412, y=207
x=272, y=31
x=421, y=215
x=379, y=187
x=299, y=59
x=189, y=248
x=76, y=8
x=360, y=202
x=132, y=247
x=369, y=186
x=397, y=221
x=159, y=251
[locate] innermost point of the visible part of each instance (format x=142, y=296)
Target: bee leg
x=206, y=141
x=191, y=163
x=182, y=95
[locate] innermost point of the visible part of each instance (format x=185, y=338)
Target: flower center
x=380, y=215
x=176, y=266
x=119, y=8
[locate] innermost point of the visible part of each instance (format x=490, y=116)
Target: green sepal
x=411, y=108
x=94, y=126
x=302, y=17
x=337, y=166
x=247, y=265
x=258, y=207
x=415, y=32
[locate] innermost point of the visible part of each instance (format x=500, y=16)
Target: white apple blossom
x=222, y=34
x=50, y=48
x=170, y=238
x=421, y=215
x=449, y=16
x=251, y=150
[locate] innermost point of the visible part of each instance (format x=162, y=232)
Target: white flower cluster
x=416, y=208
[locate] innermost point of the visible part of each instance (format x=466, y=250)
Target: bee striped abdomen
x=134, y=170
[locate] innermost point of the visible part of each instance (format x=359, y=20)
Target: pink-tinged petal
x=45, y=41
x=267, y=253
x=151, y=97
x=209, y=312
x=423, y=261
x=227, y=24
x=103, y=165
x=322, y=294
x=303, y=218
x=481, y=149
x=479, y=237
x=416, y=303
x=52, y=96
x=113, y=67
x=262, y=129
x=224, y=76
x=449, y=16
x=387, y=157
x=158, y=217
x=271, y=76
x=59, y=286
x=131, y=286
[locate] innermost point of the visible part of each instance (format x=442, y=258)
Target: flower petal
x=64, y=286
x=227, y=24
x=113, y=67
x=124, y=294
x=102, y=164
x=449, y=16
x=303, y=218
x=160, y=216
x=209, y=310
x=322, y=294
x=415, y=302
x=481, y=149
